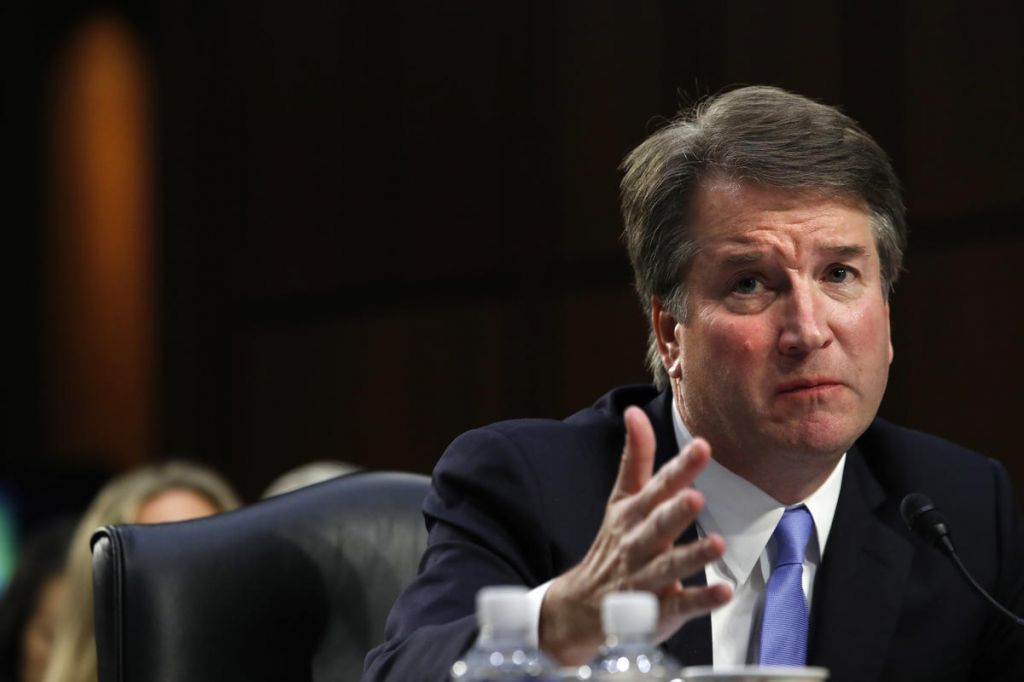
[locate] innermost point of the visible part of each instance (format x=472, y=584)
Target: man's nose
x=804, y=325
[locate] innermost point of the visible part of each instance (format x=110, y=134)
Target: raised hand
x=635, y=549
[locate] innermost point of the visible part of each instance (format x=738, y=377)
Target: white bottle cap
x=502, y=608
x=629, y=613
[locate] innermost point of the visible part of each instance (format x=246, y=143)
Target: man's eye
x=747, y=285
x=838, y=274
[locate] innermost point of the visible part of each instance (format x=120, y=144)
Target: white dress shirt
x=745, y=516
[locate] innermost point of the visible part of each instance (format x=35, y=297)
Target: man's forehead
x=719, y=193
x=735, y=216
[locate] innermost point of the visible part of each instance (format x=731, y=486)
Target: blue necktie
x=784, y=626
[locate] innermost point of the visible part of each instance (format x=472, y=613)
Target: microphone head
x=923, y=518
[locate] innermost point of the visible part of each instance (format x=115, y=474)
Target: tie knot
x=791, y=535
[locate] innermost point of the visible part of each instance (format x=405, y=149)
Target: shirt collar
x=746, y=516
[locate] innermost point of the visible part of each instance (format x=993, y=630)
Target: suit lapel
x=691, y=644
x=861, y=581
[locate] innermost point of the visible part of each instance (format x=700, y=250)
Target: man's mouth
x=808, y=385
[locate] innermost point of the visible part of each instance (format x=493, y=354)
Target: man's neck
x=789, y=477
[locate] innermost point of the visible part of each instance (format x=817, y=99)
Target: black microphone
x=923, y=518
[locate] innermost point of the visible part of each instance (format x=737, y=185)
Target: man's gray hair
x=756, y=134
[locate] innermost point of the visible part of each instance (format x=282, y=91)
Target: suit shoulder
x=592, y=428
x=538, y=442
x=578, y=456
x=907, y=459
x=888, y=439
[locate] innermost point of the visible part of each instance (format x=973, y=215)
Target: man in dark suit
x=766, y=232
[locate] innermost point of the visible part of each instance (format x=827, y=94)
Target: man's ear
x=888, y=329
x=665, y=328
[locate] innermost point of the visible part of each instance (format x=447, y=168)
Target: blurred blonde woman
x=174, y=491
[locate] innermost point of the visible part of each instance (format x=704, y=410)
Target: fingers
x=696, y=601
x=637, y=456
x=675, y=476
x=659, y=530
x=681, y=561
x=692, y=602
x=655, y=510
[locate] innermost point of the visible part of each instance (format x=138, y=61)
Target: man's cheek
x=737, y=339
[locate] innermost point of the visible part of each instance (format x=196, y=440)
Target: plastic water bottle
x=630, y=622
x=502, y=651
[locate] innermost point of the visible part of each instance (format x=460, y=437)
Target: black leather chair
x=296, y=587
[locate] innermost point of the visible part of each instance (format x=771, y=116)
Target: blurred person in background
x=308, y=474
x=28, y=610
x=174, y=491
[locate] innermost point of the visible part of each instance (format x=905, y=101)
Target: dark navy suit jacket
x=519, y=502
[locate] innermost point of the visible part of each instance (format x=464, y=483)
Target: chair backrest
x=296, y=587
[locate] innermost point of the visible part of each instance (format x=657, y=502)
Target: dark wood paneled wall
x=383, y=223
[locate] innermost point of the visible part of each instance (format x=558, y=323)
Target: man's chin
x=818, y=436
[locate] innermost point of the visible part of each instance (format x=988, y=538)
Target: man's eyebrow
x=753, y=256
x=847, y=250
x=744, y=257
x=837, y=250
